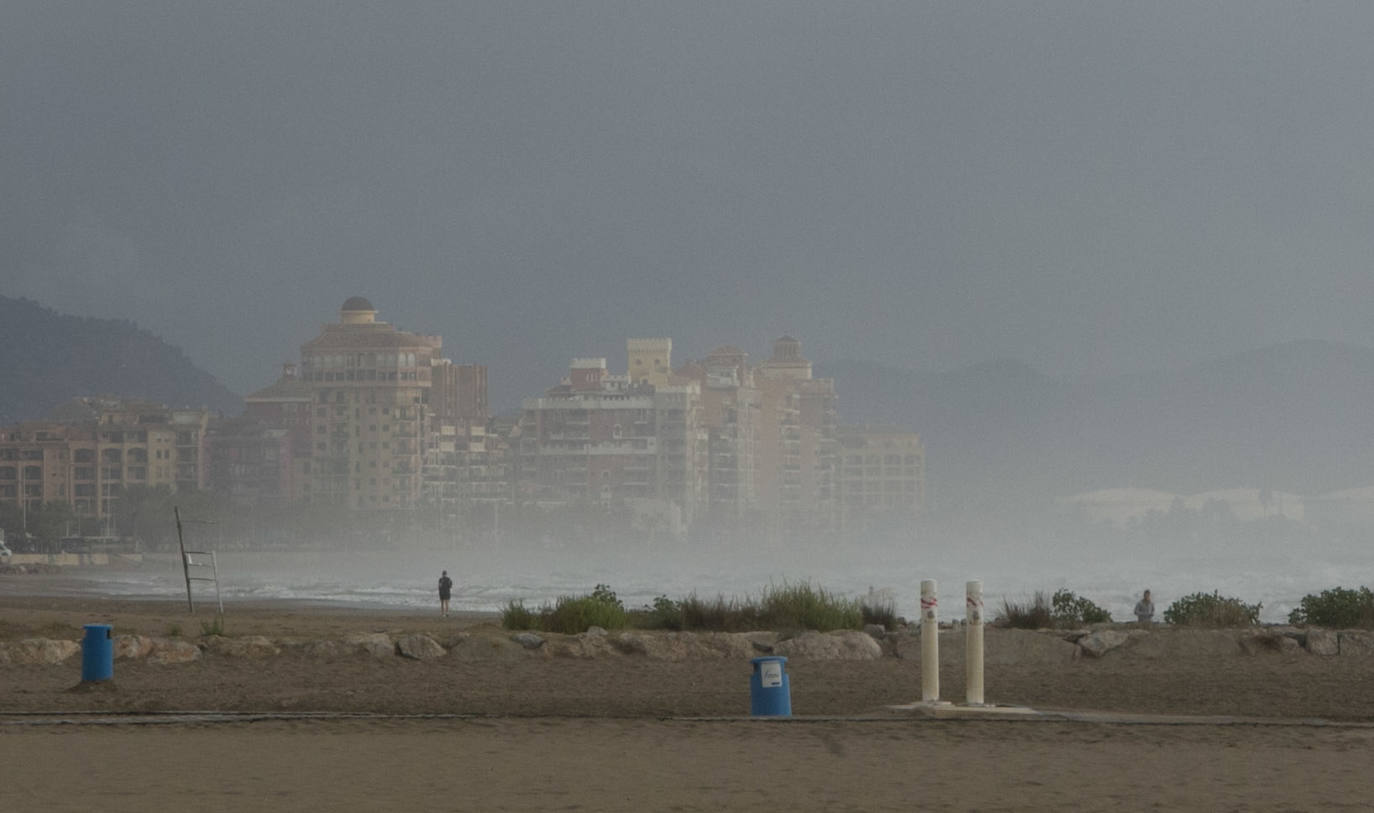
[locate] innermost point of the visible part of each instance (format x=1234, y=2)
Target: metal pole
x=930, y=643
x=214, y=567
x=973, y=644
x=185, y=564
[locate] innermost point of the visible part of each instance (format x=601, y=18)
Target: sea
x=488, y=579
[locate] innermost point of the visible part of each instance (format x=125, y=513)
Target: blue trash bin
x=770, y=693
x=97, y=653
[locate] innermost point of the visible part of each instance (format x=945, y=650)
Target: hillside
x=47, y=358
x=1293, y=417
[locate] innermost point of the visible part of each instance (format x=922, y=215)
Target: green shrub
x=663, y=614
x=1032, y=615
x=517, y=617
x=1069, y=610
x=1338, y=607
x=574, y=614
x=802, y=606
x=215, y=627
x=1211, y=610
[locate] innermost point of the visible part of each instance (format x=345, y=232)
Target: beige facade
x=369, y=398
x=880, y=477
x=796, y=442
x=99, y=447
x=600, y=438
x=649, y=361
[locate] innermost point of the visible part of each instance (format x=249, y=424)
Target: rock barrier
x=1004, y=647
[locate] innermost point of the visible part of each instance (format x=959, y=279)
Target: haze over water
x=1277, y=576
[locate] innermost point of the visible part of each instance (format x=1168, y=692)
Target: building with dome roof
x=366, y=409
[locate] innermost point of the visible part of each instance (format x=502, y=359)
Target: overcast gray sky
x=1091, y=187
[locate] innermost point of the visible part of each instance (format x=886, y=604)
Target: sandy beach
x=493, y=726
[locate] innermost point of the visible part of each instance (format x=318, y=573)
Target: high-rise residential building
x=466, y=469
x=603, y=439
x=796, y=442
x=879, y=478
x=729, y=414
x=375, y=419
x=369, y=385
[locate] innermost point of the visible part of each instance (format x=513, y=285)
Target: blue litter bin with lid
x=770, y=694
x=97, y=653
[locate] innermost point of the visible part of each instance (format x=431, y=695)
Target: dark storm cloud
x=1088, y=186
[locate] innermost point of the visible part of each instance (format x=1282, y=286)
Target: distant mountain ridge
x=1296, y=417
x=48, y=358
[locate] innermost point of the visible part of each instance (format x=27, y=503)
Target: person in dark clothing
x=445, y=592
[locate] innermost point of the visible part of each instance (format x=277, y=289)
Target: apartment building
x=880, y=477
x=794, y=464
x=93, y=448
x=729, y=416
x=368, y=384
x=602, y=438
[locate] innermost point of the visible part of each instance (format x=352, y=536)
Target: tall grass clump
x=878, y=610
x=720, y=614
x=1069, y=609
x=1026, y=615
x=1338, y=607
x=516, y=616
x=574, y=614
x=1211, y=610
x=803, y=606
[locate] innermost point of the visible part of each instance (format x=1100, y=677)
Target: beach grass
x=800, y=606
x=1031, y=615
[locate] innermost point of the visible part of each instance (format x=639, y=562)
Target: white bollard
x=930, y=643
x=973, y=644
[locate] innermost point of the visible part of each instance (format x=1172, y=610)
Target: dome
x=357, y=303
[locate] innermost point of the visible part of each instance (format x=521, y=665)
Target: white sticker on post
x=770, y=674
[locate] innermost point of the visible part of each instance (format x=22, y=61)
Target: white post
x=930, y=643
x=973, y=644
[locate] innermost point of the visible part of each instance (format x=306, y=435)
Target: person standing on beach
x=1145, y=609
x=445, y=592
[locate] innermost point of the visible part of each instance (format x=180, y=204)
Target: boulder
x=249, y=646
x=595, y=630
x=1170, y=643
x=1323, y=642
x=418, y=647
x=1013, y=646
x=1261, y=642
x=681, y=646
x=376, y=644
x=581, y=645
x=326, y=649
x=729, y=645
x=761, y=642
x=42, y=651
x=844, y=645
x=528, y=640
x=1356, y=642
x=1099, y=642
x=132, y=647
x=169, y=651
x=487, y=645
x=663, y=647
